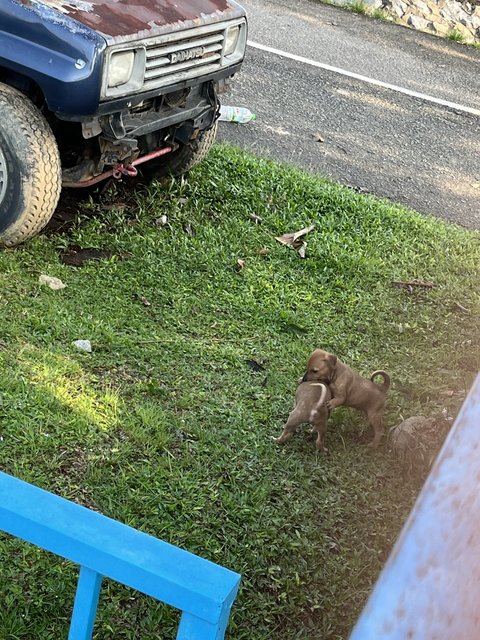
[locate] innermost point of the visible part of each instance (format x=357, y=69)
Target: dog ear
x=331, y=359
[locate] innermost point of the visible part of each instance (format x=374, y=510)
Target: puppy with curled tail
x=350, y=389
x=386, y=379
x=310, y=407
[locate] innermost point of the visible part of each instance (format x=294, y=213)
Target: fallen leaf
x=332, y=545
x=142, y=299
x=240, y=263
x=291, y=327
x=303, y=232
x=414, y=283
x=460, y=307
x=318, y=137
x=293, y=239
x=255, y=218
x=263, y=252
x=161, y=222
x=52, y=282
x=256, y=366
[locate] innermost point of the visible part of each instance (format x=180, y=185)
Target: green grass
x=357, y=6
x=165, y=427
x=363, y=8
x=455, y=35
x=381, y=14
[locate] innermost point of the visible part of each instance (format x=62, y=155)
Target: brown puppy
x=350, y=389
x=310, y=406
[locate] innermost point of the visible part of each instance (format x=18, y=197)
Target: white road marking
x=357, y=76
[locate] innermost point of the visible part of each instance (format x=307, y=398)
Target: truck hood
x=128, y=20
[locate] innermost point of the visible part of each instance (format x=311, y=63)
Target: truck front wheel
x=184, y=158
x=30, y=171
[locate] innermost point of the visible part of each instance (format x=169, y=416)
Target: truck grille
x=185, y=58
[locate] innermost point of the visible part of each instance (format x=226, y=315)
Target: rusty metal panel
x=430, y=586
x=124, y=21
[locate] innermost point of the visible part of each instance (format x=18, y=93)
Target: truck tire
x=184, y=158
x=30, y=171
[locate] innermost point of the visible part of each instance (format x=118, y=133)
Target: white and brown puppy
x=350, y=389
x=310, y=407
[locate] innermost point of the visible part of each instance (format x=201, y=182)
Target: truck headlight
x=231, y=39
x=124, y=71
x=120, y=68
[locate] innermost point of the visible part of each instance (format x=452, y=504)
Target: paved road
x=379, y=140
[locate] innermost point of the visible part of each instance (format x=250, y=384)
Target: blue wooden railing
x=430, y=586
x=202, y=590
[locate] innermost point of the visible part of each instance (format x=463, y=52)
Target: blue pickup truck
x=92, y=89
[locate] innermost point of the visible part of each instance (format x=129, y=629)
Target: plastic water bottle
x=236, y=114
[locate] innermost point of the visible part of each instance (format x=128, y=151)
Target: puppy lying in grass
x=349, y=389
x=310, y=407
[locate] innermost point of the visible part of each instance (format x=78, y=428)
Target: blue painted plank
x=115, y=550
x=430, y=586
x=85, y=606
x=191, y=628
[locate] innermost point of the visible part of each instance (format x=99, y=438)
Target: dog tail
x=320, y=401
x=386, y=379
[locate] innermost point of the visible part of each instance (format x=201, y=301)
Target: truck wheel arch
x=30, y=170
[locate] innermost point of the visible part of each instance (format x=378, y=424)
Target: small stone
x=417, y=440
x=52, y=282
x=83, y=345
